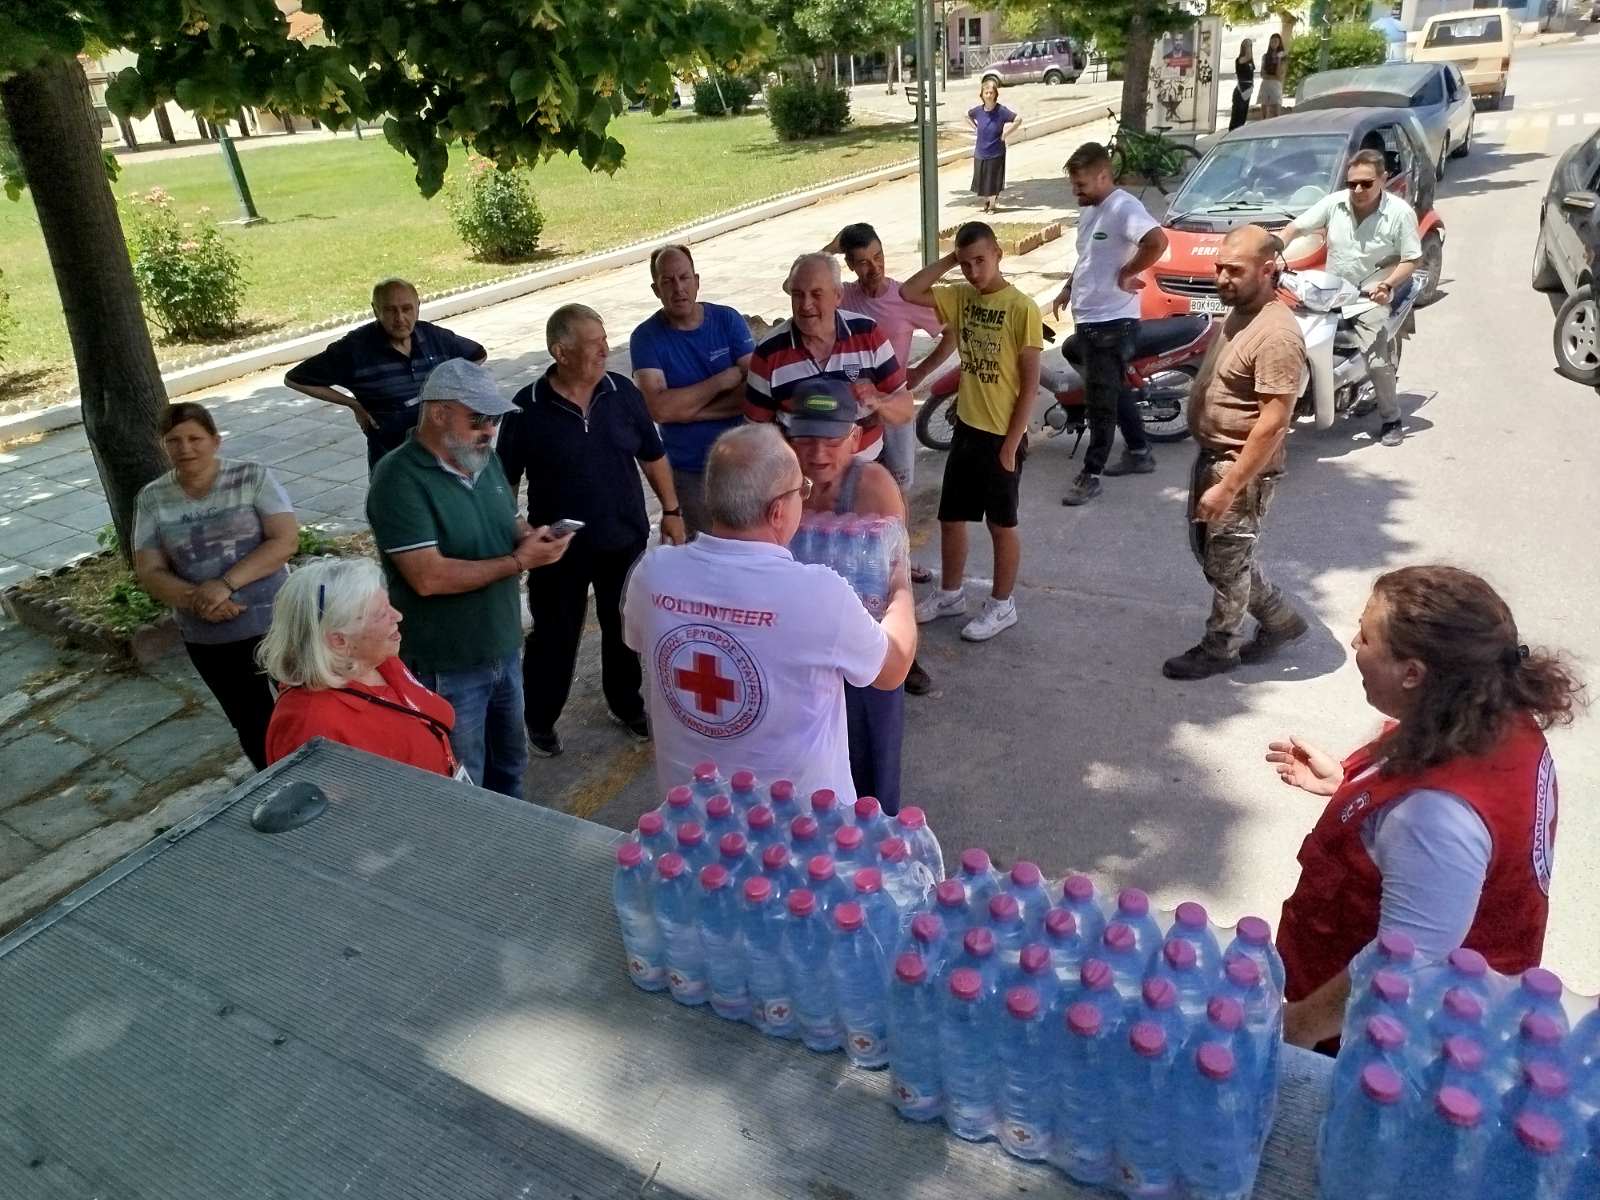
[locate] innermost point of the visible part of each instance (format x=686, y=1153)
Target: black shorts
x=976, y=486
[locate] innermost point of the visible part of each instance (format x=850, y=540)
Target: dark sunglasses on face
x=1360, y=185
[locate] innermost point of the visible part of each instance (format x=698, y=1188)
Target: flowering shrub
x=495, y=212
x=189, y=278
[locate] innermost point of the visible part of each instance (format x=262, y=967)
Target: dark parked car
x=1046, y=60
x=1565, y=256
x=1434, y=93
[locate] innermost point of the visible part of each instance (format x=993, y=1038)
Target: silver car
x=1434, y=93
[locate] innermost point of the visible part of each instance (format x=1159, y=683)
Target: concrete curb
x=188, y=379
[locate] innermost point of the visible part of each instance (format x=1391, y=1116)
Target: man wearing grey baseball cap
x=452, y=549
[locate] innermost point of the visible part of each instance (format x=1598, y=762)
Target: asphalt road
x=1060, y=741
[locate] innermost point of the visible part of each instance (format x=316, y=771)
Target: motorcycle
x=1166, y=358
x=1339, y=380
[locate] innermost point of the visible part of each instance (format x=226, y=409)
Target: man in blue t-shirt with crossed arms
x=689, y=360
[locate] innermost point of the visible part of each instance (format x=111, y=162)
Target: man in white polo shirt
x=746, y=651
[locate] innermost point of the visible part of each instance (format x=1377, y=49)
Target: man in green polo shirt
x=452, y=548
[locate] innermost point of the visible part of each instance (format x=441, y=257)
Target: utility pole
x=928, y=127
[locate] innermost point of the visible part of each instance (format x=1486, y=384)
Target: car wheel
x=1465, y=148
x=1054, y=77
x=1545, y=276
x=1577, y=340
x=1433, y=264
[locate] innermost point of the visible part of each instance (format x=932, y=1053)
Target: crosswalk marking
x=1591, y=118
x=1514, y=123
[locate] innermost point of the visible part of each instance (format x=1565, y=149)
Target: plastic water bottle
x=803, y=545
x=1146, y=1114
x=631, y=893
x=697, y=849
x=1586, y=1178
x=806, y=840
x=764, y=829
x=1365, y=1139
x=1583, y=1052
x=1215, y=1126
x=904, y=887
x=873, y=824
x=1120, y=949
x=733, y=854
x=654, y=835
x=916, y=1081
x=925, y=937
x=1060, y=934
x=1391, y=950
x=707, y=782
x=978, y=876
x=720, y=941
x=1005, y=922
x=1459, y=1064
x=1539, y=1040
x=807, y=942
x=978, y=953
x=1025, y=883
x=1223, y=1024
x=1252, y=939
x=1133, y=910
x=1158, y=1004
x=1388, y=994
x=967, y=1050
x=1179, y=965
x=1538, y=991
x=950, y=902
x=1034, y=970
x=849, y=852
x=1382, y=1040
x=872, y=567
x=761, y=923
x=823, y=880
x=1085, y=1096
x=677, y=899
x=830, y=814
x=742, y=790
x=857, y=963
x=1462, y=968
x=1078, y=896
x=1191, y=923
x=1450, y=1138
x=911, y=823
x=781, y=799
x=1530, y=1159
x=1460, y=1013
x=721, y=818
x=1263, y=1022
x=1027, y=1069
x=680, y=808
x=779, y=871
x=1544, y=1090
x=883, y=919
x=1097, y=987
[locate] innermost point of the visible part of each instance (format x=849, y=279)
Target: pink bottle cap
x=1381, y=1083
x=1179, y=955
x=670, y=866
x=1035, y=960
x=1077, y=888
x=1059, y=923
x=1026, y=874
x=802, y=902
x=1463, y=1052
x=1118, y=938
x=1458, y=1106
x=1095, y=974
x=630, y=854
x=760, y=817
x=1243, y=972
x=1022, y=1003
x=979, y=943
x=1004, y=909
x=950, y=894
x=1468, y=962
x=820, y=868
x=975, y=861
x=1463, y=1005
x=911, y=817
x=743, y=781
x=1159, y=994
x=848, y=839
x=705, y=772
x=966, y=984
x=680, y=797
x=804, y=829
x=1545, y=1079
x=1396, y=946
x=758, y=889
x=824, y=800
x=719, y=807
x=1544, y=984
x=848, y=916
x=893, y=850
x=926, y=928
x=773, y=858
x=1147, y=1039
x=1215, y=1061
x=868, y=809
x=868, y=880
x=1539, y=1133
x=1391, y=987
x=690, y=834
x=1083, y=1019
x=1192, y=915
x=733, y=845
x=713, y=877
x=651, y=824
x=1385, y=1032
x=909, y=968
x=1253, y=931
x=1133, y=902
x=1224, y=1012
x=781, y=791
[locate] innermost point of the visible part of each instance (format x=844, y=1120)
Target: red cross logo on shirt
x=708, y=685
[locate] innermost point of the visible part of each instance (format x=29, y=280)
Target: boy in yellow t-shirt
x=999, y=333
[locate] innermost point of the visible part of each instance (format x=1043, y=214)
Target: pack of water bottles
x=1454, y=1078
x=1076, y=1029
x=864, y=550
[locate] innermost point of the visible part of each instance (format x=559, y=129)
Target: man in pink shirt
x=875, y=294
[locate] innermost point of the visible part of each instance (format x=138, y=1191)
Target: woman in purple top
x=211, y=538
x=993, y=123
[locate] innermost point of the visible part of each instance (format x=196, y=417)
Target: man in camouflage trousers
x=1239, y=415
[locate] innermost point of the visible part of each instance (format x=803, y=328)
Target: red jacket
x=1334, y=910
x=402, y=721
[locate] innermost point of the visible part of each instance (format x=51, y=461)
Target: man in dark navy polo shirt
x=581, y=435
x=382, y=366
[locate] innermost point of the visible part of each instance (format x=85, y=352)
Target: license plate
x=1206, y=304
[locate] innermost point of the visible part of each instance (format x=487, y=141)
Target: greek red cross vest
x=1334, y=910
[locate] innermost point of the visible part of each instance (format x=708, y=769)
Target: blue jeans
x=488, y=738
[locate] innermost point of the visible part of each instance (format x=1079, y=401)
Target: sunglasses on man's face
x=478, y=420
x=1360, y=185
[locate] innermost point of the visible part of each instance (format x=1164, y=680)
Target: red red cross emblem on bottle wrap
x=710, y=681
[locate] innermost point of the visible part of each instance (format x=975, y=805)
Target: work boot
x=1268, y=642
x=1392, y=433
x=918, y=681
x=1132, y=464
x=1082, y=490
x=1198, y=662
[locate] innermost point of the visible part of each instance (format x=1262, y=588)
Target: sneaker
x=1132, y=464
x=918, y=681
x=1268, y=642
x=1392, y=433
x=940, y=603
x=545, y=743
x=1084, y=489
x=638, y=726
x=997, y=616
x=1198, y=663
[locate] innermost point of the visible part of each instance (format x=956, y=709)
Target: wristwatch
x=672, y=512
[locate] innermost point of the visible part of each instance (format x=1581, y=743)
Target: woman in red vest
x=1443, y=827
x=332, y=648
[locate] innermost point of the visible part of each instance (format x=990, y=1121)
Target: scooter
x=1166, y=358
x=1339, y=380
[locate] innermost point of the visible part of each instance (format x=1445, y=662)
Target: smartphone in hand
x=565, y=527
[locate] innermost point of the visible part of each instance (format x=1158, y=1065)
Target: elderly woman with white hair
x=333, y=649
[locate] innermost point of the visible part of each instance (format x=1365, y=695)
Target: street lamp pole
x=928, y=120
x=241, y=186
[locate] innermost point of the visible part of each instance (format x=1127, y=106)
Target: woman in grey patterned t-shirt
x=210, y=538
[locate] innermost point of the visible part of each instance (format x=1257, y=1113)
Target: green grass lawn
x=343, y=213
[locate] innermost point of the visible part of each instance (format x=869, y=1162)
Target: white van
x=1478, y=42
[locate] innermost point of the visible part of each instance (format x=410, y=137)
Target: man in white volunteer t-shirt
x=1117, y=241
x=746, y=651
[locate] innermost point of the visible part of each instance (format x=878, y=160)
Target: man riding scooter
x=1369, y=229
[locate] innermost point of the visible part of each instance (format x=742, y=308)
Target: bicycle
x=1148, y=153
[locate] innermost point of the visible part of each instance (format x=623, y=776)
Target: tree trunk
x=53, y=124
x=1136, y=71
x=164, y=125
